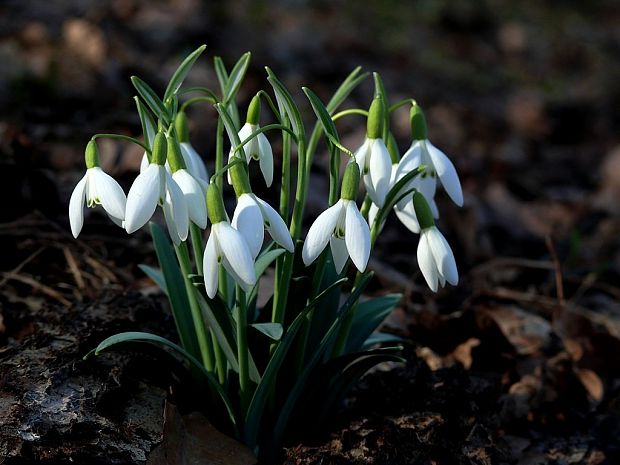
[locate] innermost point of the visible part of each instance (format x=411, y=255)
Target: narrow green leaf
x=149, y=127
x=396, y=193
x=285, y=101
x=181, y=72
x=231, y=129
x=237, y=74
x=175, y=286
x=353, y=80
x=151, y=99
x=380, y=338
x=221, y=73
x=273, y=331
x=265, y=259
x=128, y=338
x=368, y=316
x=156, y=275
x=322, y=114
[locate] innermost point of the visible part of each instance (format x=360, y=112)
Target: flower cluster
x=213, y=284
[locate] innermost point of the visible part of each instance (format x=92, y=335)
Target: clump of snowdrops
x=261, y=369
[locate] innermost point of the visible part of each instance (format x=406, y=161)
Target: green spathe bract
x=253, y=362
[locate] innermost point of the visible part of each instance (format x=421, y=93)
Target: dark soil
x=518, y=364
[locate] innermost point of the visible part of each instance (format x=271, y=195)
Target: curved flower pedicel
x=253, y=215
x=373, y=156
x=95, y=188
x=435, y=257
x=343, y=226
x=258, y=148
x=225, y=246
x=155, y=186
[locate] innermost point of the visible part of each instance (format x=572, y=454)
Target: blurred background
x=523, y=96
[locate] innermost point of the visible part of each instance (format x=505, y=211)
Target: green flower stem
x=242, y=350
x=285, y=188
x=197, y=245
x=191, y=101
x=123, y=137
x=220, y=361
x=350, y=111
x=366, y=207
x=202, y=335
x=219, y=150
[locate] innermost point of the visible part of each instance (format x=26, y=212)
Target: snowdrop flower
x=225, y=246
x=343, y=226
x=193, y=191
x=95, y=188
x=435, y=257
x=438, y=165
x=373, y=156
x=258, y=148
x=193, y=163
x=155, y=186
x=253, y=215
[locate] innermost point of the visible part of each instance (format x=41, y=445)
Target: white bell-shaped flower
x=438, y=165
x=225, y=246
x=155, y=186
x=343, y=226
x=95, y=188
x=257, y=148
x=435, y=257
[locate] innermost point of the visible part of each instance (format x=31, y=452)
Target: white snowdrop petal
x=194, y=197
x=144, y=162
x=248, y=220
x=357, y=236
x=448, y=265
x=276, y=226
x=170, y=224
x=370, y=189
x=143, y=197
x=320, y=232
x=76, y=206
x=407, y=217
x=176, y=200
x=411, y=159
x=339, y=253
x=236, y=251
x=195, y=164
x=372, y=214
x=361, y=155
x=266, y=159
x=380, y=170
x=426, y=262
x=210, y=265
x=447, y=173
x=111, y=194
x=250, y=148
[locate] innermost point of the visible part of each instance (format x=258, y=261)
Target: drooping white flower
x=343, y=226
x=435, y=257
x=225, y=246
x=252, y=216
x=257, y=148
x=95, y=188
x=193, y=163
x=374, y=161
x=155, y=186
x=194, y=194
x=438, y=165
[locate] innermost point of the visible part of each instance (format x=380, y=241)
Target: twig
x=38, y=286
x=73, y=267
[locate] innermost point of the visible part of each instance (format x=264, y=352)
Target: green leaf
x=231, y=129
x=285, y=101
x=353, y=80
x=222, y=325
x=221, y=73
x=322, y=114
x=380, y=338
x=265, y=259
x=368, y=316
x=175, y=286
x=151, y=99
x=181, y=73
x=237, y=74
x=131, y=338
x=156, y=275
x=396, y=193
x=273, y=331
x=149, y=127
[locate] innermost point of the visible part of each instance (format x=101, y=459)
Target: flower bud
x=418, y=123
x=374, y=127
x=215, y=204
x=175, y=158
x=423, y=211
x=239, y=179
x=159, y=151
x=350, y=181
x=181, y=127
x=253, y=116
x=91, y=154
